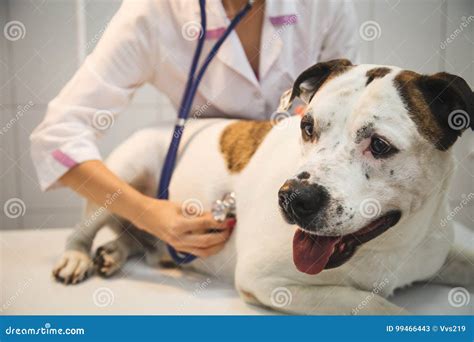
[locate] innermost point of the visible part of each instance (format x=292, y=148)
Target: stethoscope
x=185, y=106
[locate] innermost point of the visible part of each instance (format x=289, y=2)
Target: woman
x=152, y=41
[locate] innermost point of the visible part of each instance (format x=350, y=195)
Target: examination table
x=27, y=286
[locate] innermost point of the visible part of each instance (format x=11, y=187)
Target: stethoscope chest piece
x=224, y=208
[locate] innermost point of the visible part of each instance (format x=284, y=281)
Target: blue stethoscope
x=186, y=103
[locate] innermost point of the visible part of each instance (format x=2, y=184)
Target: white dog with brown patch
x=348, y=198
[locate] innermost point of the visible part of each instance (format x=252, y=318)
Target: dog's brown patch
x=376, y=73
x=418, y=109
x=240, y=140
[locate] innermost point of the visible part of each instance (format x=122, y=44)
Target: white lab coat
x=152, y=41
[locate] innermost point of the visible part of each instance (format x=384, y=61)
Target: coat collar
x=279, y=14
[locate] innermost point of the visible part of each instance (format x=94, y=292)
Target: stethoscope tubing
x=186, y=102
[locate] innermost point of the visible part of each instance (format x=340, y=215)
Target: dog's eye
x=379, y=147
x=307, y=126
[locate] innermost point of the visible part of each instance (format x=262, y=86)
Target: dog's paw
x=108, y=259
x=73, y=267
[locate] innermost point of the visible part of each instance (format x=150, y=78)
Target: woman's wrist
x=135, y=207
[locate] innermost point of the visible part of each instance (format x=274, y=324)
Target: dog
x=338, y=205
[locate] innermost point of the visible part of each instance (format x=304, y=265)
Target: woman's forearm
x=94, y=181
x=161, y=218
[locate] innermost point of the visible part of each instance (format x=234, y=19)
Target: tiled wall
x=34, y=68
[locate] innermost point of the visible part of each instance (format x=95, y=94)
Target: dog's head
x=375, y=143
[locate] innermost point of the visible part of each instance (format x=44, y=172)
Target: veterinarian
x=153, y=41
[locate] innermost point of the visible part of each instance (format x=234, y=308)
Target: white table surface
x=27, y=286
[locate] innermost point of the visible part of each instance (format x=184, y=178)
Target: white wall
x=33, y=69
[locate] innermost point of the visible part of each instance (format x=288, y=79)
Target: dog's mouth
x=313, y=253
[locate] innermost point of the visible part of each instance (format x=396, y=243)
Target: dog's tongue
x=311, y=253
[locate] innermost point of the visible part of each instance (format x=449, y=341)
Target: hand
x=165, y=220
x=93, y=180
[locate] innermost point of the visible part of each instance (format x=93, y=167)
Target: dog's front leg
x=458, y=269
x=75, y=264
x=322, y=300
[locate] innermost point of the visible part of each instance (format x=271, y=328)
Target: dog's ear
x=310, y=80
x=451, y=103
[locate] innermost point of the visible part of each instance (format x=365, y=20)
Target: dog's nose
x=302, y=201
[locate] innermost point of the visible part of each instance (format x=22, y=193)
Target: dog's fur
x=348, y=105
